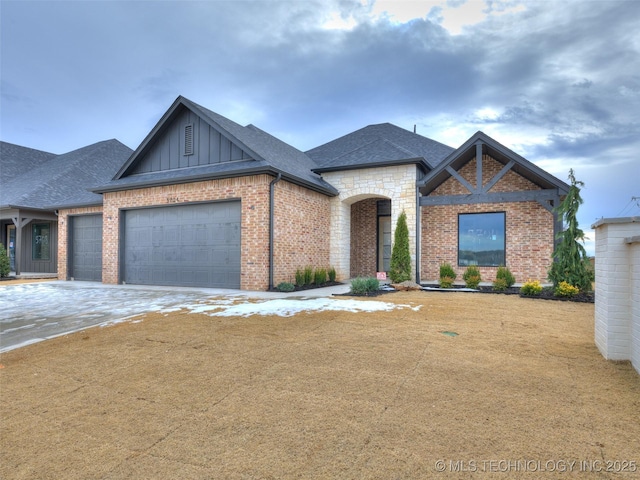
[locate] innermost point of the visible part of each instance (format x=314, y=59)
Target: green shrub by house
x=332, y=274
x=307, y=273
x=447, y=275
x=300, y=278
x=400, y=265
x=505, y=274
x=364, y=285
x=320, y=276
x=471, y=276
x=286, y=287
x=5, y=265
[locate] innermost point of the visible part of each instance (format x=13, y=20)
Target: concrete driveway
x=34, y=312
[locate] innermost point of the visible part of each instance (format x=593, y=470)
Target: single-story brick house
x=204, y=201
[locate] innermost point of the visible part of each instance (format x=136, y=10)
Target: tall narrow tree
x=570, y=262
x=400, y=267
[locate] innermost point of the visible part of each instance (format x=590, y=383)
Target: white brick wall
x=617, y=302
x=397, y=183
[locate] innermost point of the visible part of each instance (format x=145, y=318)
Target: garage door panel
x=188, y=245
x=86, y=248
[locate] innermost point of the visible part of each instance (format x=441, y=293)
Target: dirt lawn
x=520, y=392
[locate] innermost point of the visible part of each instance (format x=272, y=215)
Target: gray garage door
x=86, y=248
x=185, y=245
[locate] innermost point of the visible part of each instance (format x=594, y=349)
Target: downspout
x=418, y=233
x=272, y=189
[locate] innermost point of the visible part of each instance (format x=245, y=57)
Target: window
x=481, y=239
x=41, y=247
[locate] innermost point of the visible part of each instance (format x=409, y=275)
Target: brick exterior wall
x=253, y=191
x=302, y=230
x=529, y=227
x=364, y=238
x=63, y=236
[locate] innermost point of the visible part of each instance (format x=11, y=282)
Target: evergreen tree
x=5, y=266
x=570, y=262
x=400, y=267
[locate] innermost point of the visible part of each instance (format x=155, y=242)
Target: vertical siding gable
x=167, y=152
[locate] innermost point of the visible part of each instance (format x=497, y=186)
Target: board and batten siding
x=27, y=262
x=209, y=147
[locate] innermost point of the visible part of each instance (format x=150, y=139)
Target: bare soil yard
x=520, y=392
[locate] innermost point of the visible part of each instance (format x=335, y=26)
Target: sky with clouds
x=556, y=81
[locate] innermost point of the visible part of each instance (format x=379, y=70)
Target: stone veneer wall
x=617, y=302
x=63, y=236
x=253, y=191
x=529, y=227
x=397, y=183
x=302, y=231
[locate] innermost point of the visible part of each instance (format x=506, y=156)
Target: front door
x=384, y=243
x=11, y=248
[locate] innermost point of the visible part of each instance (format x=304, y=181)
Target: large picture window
x=40, y=244
x=481, y=239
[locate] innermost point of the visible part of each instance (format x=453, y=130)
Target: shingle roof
x=383, y=143
x=61, y=180
x=270, y=155
x=16, y=160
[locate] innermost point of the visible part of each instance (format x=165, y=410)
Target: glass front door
x=11, y=247
x=384, y=243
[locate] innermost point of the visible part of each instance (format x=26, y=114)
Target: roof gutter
x=272, y=188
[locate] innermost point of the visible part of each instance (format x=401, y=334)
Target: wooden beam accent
x=498, y=176
x=458, y=177
x=498, y=197
x=479, y=167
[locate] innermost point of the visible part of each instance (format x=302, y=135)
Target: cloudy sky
x=556, y=81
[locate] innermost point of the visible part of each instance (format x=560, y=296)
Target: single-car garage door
x=196, y=245
x=86, y=248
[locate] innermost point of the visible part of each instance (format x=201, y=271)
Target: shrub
x=570, y=261
x=500, y=285
x=307, y=274
x=400, y=265
x=285, y=287
x=505, y=274
x=447, y=275
x=5, y=265
x=446, y=282
x=531, y=288
x=565, y=289
x=320, y=276
x=365, y=285
x=299, y=278
x=332, y=274
x=471, y=276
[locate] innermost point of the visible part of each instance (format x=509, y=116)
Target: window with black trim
x=41, y=246
x=481, y=239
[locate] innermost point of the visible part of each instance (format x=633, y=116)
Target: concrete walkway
x=34, y=312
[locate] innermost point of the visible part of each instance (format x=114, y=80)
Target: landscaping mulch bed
x=546, y=294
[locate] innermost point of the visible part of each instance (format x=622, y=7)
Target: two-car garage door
x=196, y=245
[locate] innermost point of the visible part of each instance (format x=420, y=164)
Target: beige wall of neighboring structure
x=617, y=302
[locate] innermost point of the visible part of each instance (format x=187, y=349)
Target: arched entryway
x=370, y=236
